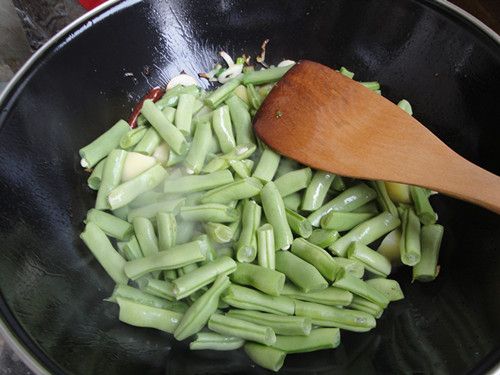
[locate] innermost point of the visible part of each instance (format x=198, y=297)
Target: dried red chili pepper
x=154, y=94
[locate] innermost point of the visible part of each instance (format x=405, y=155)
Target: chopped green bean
x=191, y=184
x=218, y=232
x=132, y=137
x=372, y=261
x=149, y=142
x=265, y=247
x=99, y=244
x=237, y=190
x=293, y=181
x=139, y=315
x=345, y=72
x=246, y=247
x=145, y=233
x=274, y=209
x=184, y=113
x=383, y=199
x=343, y=221
x=267, y=166
x=361, y=304
x=200, y=311
x=366, y=232
x=339, y=184
x=427, y=269
x=318, y=339
x=111, y=176
x=298, y=224
x=264, y=279
x=409, y=245
x=202, y=276
x=265, y=356
x=368, y=208
x=293, y=201
x=95, y=178
x=330, y=296
x=214, y=341
x=347, y=201
x=254, y=96
x=132, y=249
x=175, y=257
x=352, y=266
x=405, y=106
x=282, y=325
x=423, y=208
x=316, y=256
x=102, y=146
x=323, y=237
x=226, y=325
x=150, y=211
x=111, y=225
x=316, y=191
x=259, y=77
x=359, y=287
x=167, y=230
x=249, y=299
x=241, y=120
x=159, y=288
x=374, y=86
x=136, y=295
x=215, y=212
x=389, y=288
x=221, y=93
x=223, y=129
x=300, y=272
x=195, y=159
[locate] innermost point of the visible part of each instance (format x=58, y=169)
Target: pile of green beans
x=213, y=237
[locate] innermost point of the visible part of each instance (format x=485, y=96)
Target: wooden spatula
x=320, y=118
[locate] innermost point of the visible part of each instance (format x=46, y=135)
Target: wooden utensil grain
x=320, y=118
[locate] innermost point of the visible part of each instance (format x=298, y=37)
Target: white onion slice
x=228, y=59
x=183, y=80
x=286, y=63
x=135, y=164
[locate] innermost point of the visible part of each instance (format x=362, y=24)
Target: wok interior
x=53, y=289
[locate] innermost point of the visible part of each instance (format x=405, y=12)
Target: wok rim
x=12, y=338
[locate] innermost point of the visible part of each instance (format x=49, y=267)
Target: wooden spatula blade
x=322, y=119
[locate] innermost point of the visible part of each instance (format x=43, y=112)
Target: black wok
x=51, y=287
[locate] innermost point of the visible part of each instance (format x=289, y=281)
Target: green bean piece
x=323, y=237
x=240, y=168
x=240, y=152
x=145, y=199
x=338, y=183
x=202, y=276
x=94, y=180
x=427, y=269
x=215, y=164
x=165, y=128
x=330, y=296
x=361, y=304
x=293, y=181
x=292, y=201
x=205, y=114
x=298, y=224
x=359, y=287
x=423, y=208
x=241, y=120
x=132, y=249
x=111, y=225
x=345, y=72
x=265, y=247
x=274, y=209
x=390, y=288
x=173, y=158
x=366, y=232
x=352, y=266
x=145, y=233
x=111, y=177
x=343, y=221
x=237, y=190
x=167, y=230
x=228, y=326
x=249, y=299
x=265, y=356
x=374, y=86
x=300, y=272
x=191, y=184
x=138, y=296
x=246, y=247
x=261, y=278
x=218, y=232
x=169, y=113
x=214, y=341
x=329, y=316
x=160, y=288
x=405, y=106
x=150, y=211
x=175, y=257
x=169, y=275
x=383, y=199
x=221, y=122
x=346, y=201
x=103, y=145
x=200, y=311
x=260, y=77
x=254, y=96
x=132, y=137
x=128, y=191
x=286, y=165
x=372, y=261
x=316, y=191
x=149, y=142
x=197, y=154
x=318, y=339
x=409, y=245
x=139, y=315
x=282, y=325
x=267, y=166
x=368, y=208
x=220, y=94
x=184, y=113
x=99, y=244
x=214, y=212
x=316, y=256
x=171, y=97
